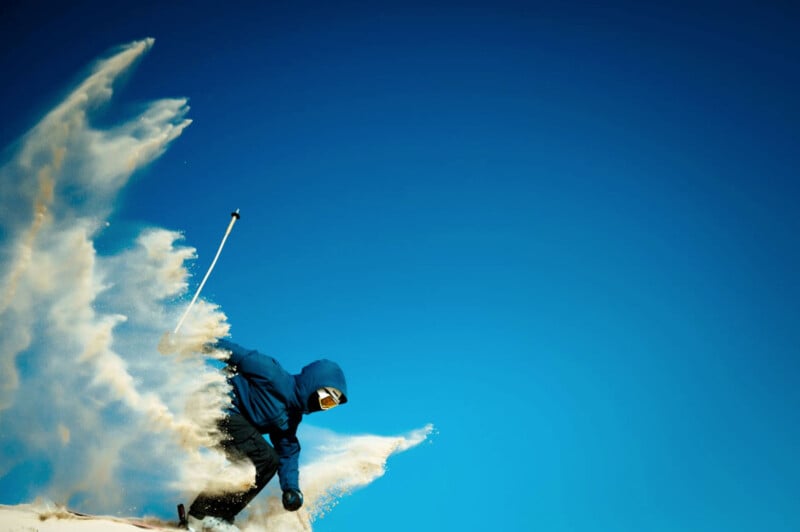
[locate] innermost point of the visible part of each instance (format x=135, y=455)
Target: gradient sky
x=564, y=234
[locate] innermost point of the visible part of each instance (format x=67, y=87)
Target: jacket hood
x=319, y=374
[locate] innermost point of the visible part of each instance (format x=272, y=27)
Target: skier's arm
x=238, y=353
x=248, y=361
x=288, y=448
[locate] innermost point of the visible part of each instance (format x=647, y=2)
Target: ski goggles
x=328, y=397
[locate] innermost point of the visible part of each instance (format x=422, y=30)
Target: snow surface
x=43, y=518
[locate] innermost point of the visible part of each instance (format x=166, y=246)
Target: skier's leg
x=244, y=442
x=248, y=443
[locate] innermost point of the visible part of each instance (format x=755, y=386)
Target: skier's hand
x=292, y=499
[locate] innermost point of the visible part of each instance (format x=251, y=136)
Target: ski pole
x=234, y=217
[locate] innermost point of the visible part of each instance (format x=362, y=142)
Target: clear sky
x=565, y=234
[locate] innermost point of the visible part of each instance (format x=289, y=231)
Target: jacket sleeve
x=250, y=361
x=238, y=353
x=288, y=448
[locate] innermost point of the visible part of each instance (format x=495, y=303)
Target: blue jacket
x=274, y=400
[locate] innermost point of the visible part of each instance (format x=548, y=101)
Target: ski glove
x=292, y=499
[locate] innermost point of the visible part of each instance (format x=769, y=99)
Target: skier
x=266, y=399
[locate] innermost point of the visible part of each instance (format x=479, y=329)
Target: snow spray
x=110, y=424
x=337, y=465
x=83, y=391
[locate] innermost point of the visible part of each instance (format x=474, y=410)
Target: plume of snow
x=93, y=388
x=339, y=464
x=83, y=387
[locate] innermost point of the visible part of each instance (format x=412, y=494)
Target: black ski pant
x=241, y=442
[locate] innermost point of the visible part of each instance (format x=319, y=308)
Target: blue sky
x=565, y=235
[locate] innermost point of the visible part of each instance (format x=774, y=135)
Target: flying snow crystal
x=86, y=398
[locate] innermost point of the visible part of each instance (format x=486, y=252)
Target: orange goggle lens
x=328, y=398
